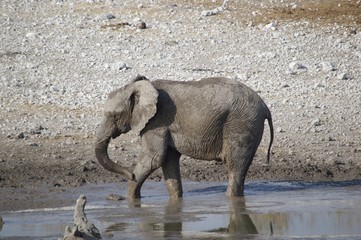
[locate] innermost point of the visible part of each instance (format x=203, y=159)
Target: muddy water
x=278, y=210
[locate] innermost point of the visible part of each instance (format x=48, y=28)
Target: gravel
x=60, y=59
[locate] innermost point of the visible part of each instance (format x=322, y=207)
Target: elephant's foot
x=133, y=189
x=235, y=190
x=174, y=188
x=231, y=193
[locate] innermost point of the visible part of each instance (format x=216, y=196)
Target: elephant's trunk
x=101, y=153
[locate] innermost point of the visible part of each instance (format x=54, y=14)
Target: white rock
x=120, y=66
x=270, y=26
x=294, y=66
x=327, y=66
x=342, y=76
x=316, y=122
x=31, y=35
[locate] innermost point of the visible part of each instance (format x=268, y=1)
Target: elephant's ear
x=144, y=101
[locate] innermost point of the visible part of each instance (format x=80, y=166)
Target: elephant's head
x=127, y=108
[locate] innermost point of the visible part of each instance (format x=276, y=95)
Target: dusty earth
x=59, y=59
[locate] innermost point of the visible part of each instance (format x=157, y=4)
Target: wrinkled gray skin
x=210, y=119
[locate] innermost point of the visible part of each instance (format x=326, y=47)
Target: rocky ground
x=60, y=59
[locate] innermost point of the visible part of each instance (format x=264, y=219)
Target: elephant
x=210, y=119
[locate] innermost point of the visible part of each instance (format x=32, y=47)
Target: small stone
x=141, y=25
x=296, y=66
x=115, y=197
x=31, y=35
x=329, y=173
x=331, y=139
x=270, y=26
x=21, y=135
x=138, y=23
x=342, y=76
x=57, y=184
x=120, y=66
x=109, y=16
x=316, y=122
x=353, y=32
x=327, y=66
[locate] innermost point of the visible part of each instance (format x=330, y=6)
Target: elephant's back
x=215, y=95
x=198, y=96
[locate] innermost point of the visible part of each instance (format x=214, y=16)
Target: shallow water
x=278, y=210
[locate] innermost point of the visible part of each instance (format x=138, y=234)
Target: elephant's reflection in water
x=239, y=221
x=171, y=224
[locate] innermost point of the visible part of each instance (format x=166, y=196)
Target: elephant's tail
x=270, y=123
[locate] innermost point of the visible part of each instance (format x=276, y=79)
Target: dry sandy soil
x=59, y=59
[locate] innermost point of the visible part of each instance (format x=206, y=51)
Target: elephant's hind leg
x=171, y=172
x=239, y=159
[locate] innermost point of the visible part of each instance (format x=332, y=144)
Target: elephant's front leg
x=141, y=173
x=154, y=148
x=171, y=173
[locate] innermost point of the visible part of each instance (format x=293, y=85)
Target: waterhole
x=279, y=210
